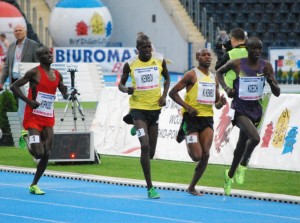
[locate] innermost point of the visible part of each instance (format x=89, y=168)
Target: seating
x=280, y=37
x=278, y=18
x=248, y=27
x=273, y=28
x=246, y=8
x=275, y=22
x=259, y=8
x=283, y=8
x=291, y=18
x=260, y=27
x=252, y=17
x=266, y=17
x=270, y=8
x=285, y=28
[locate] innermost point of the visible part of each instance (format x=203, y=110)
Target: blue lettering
x=60, y=56
x=68, y=56
x=112, y=56
x=126, y=55
x=87, y=56
x=100, y=58
x=76, y=58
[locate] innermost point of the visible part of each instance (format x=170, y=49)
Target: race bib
x=46, y=104
x=251, y=88
x=146, y=78
x=206, y=93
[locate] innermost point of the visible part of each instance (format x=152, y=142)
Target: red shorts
x=33, y=122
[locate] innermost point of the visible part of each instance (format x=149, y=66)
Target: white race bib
x=46, y=104
x=251, y=88
x=206, y=93
x=146, y=78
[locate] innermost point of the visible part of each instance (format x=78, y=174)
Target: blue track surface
x=69, y=200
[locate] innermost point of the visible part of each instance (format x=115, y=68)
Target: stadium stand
x=275, y=22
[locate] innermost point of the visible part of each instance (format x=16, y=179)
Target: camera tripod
x=74, y=101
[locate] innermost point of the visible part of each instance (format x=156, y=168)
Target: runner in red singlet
x=39, y=111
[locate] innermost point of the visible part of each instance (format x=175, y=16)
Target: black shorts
x=237, y=114
x=197, y=124
x=149, y=116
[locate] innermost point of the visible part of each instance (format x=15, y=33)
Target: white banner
x=112, y=135
x=87, y=79
x=111, y=59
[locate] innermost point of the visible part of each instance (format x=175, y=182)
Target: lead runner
x=39, y=111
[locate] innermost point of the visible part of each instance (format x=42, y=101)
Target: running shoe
x=22, y=139
x=34, y=189
x=133, y=131
x=152, y=193
x=227, y=183
x=24, y=133
x=239, y=176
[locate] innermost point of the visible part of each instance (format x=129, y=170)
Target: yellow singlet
x=146, y=78
x=202, y=95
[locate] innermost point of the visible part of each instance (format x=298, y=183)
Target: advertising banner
x=278, y=149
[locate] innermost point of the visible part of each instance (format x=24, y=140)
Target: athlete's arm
x=230, y=65
x=187, y=81
x=220, y=100
x=166, y=75
x=269, y=75
x=61, y=87
x=30, y=76
x=122, y=85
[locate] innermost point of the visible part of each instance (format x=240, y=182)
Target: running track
x=89, y=198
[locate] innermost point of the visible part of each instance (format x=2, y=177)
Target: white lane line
x=180, y=204
x=31, y=218
x=169, y=203
x=97, y=209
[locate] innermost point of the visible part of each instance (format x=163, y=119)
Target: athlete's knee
x=196, y=157
x=255, y=140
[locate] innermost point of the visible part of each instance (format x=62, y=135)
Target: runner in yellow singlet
x=202, y=89
x=146, y=71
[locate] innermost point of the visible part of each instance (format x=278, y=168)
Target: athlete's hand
x=230, y=92
x=192, y=112
x=223, y=99
x=162, y=101
x=34, y=104
x=130, y=90
x=267, y=74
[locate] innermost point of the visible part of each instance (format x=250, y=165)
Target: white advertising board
x=278, y=149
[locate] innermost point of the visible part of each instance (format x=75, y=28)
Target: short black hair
x=238, y=34
x=142, y=38
x=39, y=51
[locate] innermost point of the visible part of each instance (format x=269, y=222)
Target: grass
x=85, y=105
x=260, y=180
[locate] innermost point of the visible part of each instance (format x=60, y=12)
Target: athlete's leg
x=153, y=134
x=238, y=153
x=47, y=141
x=142, y=133
x=199, y=152
x=247, y=126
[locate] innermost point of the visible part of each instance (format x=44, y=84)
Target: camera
x=227, y=45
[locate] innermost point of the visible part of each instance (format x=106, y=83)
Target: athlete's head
x=203, y=57
x=144, y=47
x=254, y=47
x=44, y=55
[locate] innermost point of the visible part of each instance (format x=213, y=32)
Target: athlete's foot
x=194, y=192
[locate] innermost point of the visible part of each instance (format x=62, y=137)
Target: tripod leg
x=81, y=112
x=65, y=112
